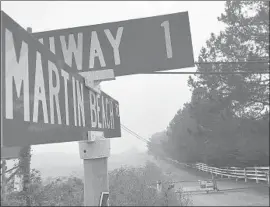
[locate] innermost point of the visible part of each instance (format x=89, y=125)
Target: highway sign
x=42, y=99
x=128, y=47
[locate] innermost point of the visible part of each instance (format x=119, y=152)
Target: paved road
x=244, y=194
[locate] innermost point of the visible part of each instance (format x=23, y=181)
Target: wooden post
x=236, y=176
x=257, y=181
x=245, y=174
x=228, y=173
x=221, y=172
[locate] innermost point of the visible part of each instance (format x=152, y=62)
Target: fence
x=248, y=173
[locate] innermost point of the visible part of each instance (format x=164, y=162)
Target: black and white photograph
x=135, y=103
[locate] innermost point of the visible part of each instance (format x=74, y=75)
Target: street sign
x=208, y=185
x=42, y=99
x=104, y=199
x=128, y=47
x=10, y=152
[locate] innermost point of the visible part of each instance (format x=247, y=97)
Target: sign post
x=95, y=152
x=95, y=163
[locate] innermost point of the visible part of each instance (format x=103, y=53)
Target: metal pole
x=95, y=163
x=95, y=153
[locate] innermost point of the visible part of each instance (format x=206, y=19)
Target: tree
x=240, y=101
x=25, y=171
x=181, y=144
x=155, y=143
x=137, y=187
x=226, y=122
x=246, y=38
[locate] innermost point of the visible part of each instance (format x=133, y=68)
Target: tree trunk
x=25, y=170
x=3, y=180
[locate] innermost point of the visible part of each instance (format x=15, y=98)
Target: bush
x=128, y=187
x=137, y=187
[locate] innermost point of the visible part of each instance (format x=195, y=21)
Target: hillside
x=65, y=164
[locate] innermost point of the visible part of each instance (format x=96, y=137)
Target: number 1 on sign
x=166, y=26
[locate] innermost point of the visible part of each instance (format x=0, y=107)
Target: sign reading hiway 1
x=128, y=47
x=42, y=99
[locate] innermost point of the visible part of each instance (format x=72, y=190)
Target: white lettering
x=111, y=115
x=39, y=94
x=168, y=42
x=95, y=51
x=52, y=44
x=93, y=109
x=72, y=49
x=115, y=43
x=65, y=75
x=17, y=69
x=54, y=91
x=107, y=110
x=98, y=112
x=81, y=115
x=74, y=101
x=117, y=110
x=104, y=114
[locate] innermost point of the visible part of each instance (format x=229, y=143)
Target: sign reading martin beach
x=128, y=47
x=43, y=99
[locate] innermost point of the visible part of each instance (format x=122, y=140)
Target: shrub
x=128, y=187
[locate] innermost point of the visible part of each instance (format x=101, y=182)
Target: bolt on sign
x=128, y=47
x=43, y=99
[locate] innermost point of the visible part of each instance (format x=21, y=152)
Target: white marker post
x=95, y=151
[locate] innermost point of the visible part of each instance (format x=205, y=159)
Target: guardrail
x=248, y=173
